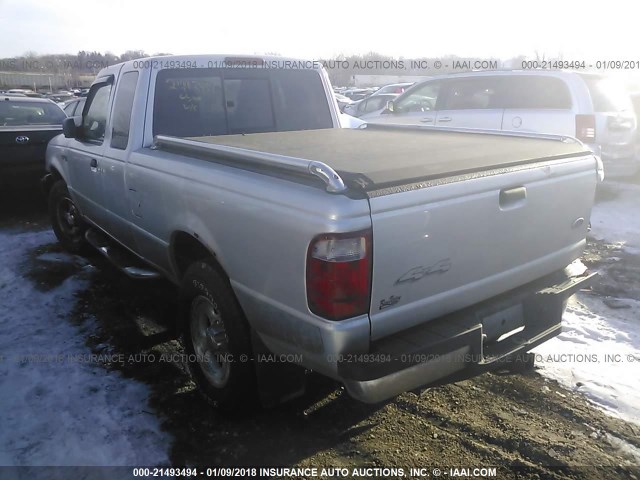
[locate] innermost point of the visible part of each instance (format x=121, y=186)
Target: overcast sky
x=315, y=29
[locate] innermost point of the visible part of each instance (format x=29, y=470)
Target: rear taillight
x=586, y=128
x=339, y=274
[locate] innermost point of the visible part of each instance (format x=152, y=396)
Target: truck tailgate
x=455, y=243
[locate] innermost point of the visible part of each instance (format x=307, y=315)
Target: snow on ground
x=601, y=345
x=598, y=354
x=57, y=407
x=617, y=219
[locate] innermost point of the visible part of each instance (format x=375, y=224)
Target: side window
x=122, y=110
x=362, y=106
x=421, y=99
x=473, y=93
x=94, y=122
x=537, y=92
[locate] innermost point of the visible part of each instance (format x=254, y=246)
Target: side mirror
x=70, y=127
x=389, y=107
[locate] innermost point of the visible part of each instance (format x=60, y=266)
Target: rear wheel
x=216, y=337
x=66, y=219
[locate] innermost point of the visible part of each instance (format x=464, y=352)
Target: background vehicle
x=342, y=101
x=396, y=88
x=356, y=94
x=370, y=106
x=591, y=107
x=26, y=126
x=60, y=98
x=74, y=107
x=25, y=92
x=360, y=252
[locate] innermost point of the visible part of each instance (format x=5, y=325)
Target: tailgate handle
x=512, y=198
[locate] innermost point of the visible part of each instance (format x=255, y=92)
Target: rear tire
x=66, y=220
x=215, y=333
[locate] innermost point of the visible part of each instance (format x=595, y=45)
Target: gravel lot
x=500, y=419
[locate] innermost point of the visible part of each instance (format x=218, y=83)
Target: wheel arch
x=52, y=177
x=185, y=249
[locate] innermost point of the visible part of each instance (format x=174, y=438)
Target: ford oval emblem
x=22, y=139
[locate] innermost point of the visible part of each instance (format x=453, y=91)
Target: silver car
x=593, y=108
x=369, y=107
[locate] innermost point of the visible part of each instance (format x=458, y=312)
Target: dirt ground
x=523, y=421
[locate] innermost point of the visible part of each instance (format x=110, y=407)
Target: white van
x=591, y=107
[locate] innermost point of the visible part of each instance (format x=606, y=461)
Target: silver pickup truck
x=385, y=257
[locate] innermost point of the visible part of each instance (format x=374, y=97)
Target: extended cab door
x=85, y=153
x=471, y=102
x=118, y=146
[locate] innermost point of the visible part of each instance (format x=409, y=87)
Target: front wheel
x=66, y=220
x=216, y=338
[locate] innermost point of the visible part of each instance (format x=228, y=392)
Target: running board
x=119, y=256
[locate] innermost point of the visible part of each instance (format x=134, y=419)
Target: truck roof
x=218, y=61
x=381, y=157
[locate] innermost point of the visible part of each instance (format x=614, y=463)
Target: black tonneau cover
x=381, y=158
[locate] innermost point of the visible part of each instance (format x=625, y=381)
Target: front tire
x=215, y=333
x=66, y=220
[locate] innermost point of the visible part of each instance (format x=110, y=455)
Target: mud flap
x=278, y=381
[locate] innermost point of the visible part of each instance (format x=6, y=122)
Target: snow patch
x=55, y=410
x=617, y=219
x=598, y=354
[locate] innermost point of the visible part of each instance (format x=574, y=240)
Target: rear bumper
x=471, y=339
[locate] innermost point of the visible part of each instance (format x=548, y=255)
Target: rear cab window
x=203, y=102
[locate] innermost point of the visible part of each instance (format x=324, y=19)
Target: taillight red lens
x=339, y=275
x=586, y=128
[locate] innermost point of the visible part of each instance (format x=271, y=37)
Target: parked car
x=370, y=106
x=591, y=107
x=60, y=98
x=26, y=126
x=25, y=92
x=22, y=91
x=356, y=94
x=387, y=258
x=74, y=107
x=396, y=88
x=342, y=101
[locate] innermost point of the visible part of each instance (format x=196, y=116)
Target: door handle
x=94, y=165
x=426, y=120
x=444, y=119
x=513, y=198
